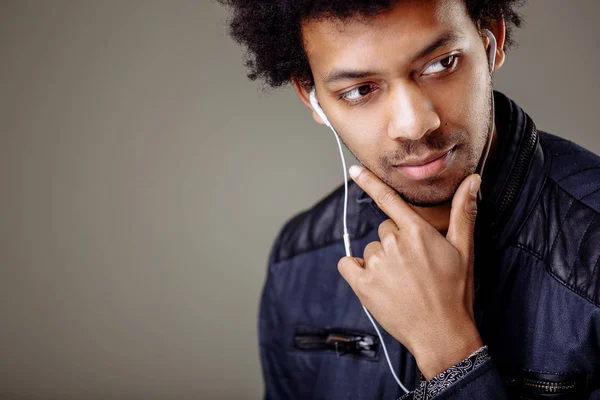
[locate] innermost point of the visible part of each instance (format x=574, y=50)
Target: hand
x=417, y=283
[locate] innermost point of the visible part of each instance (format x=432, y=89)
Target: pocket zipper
x=341, y=343
x=548, y=387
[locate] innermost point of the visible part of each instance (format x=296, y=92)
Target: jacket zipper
x=548, y=387
x=517, y=177
x=340, y=342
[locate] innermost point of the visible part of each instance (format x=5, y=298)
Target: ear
x=498, y=28
x=303, y=92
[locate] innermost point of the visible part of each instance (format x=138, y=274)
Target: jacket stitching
x=530, y=251
x=579, y=292
x=559, y=230
x=577, y=172
x=591, y=193
x=592, y=275
x=574, y=198
x=573, y=289
x=544, y=187
x=579, y=246
x=568, y=153
x=554, y=276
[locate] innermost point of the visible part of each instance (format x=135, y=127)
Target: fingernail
x=474, y=186
x=355, y=171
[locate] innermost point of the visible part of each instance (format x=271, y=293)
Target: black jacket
x=537, y=282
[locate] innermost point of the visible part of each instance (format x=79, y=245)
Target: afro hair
x=270, y=30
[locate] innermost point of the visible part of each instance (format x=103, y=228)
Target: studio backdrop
x=143, y=179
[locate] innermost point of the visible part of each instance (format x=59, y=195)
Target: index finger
x=388, y=200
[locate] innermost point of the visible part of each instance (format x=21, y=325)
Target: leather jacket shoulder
x=563, y=226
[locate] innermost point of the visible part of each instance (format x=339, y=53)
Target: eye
x=445, y=64
x=357, y=94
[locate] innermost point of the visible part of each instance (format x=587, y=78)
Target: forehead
x=403, y=28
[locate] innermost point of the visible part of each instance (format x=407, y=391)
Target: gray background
x=143, y=179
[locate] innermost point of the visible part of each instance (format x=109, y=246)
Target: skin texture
x=422, y=297
x=406, y=115
x=417, y=281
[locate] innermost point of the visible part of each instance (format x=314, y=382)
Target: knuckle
x=415, y=230
x=385, y=226
x=371, y=248
x=376, y=257
x=389, y=240
x=470, y=212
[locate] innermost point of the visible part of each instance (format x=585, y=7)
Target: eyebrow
x=347, y=74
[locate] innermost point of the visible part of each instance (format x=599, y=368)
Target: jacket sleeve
x=272, y=346
x=473, y=378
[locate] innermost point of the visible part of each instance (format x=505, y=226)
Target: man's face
x=408, y=91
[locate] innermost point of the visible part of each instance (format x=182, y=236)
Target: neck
x=439, y=216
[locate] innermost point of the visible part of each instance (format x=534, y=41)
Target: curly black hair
x=270, y=30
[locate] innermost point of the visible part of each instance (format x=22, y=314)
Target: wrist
x=446, y=352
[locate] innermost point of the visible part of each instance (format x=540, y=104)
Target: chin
x=431, y=193
x=426, y=201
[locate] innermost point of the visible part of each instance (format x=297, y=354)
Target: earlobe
x=318, y=119
x=304, y=93
x=500, y=57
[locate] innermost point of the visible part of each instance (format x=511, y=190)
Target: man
x=499, y=306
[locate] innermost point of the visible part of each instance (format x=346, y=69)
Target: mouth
x=428, y=166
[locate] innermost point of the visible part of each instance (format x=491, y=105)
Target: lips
x=426, y=167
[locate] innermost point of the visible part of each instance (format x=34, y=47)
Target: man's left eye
x=442, y=65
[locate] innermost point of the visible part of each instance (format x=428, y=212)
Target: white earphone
x=317, y=108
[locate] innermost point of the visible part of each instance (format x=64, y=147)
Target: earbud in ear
x=491, y=49
x=317, y=107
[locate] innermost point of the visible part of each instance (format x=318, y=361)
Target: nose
x=412, y=113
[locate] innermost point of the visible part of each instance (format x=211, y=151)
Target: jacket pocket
x=341, y=342
x=532, y=385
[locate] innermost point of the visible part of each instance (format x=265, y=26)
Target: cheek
x=462, y=97
x=364, y=134
x=461, y=101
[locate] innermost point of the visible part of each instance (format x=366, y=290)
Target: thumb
x=351, y=268
x=462, y=215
